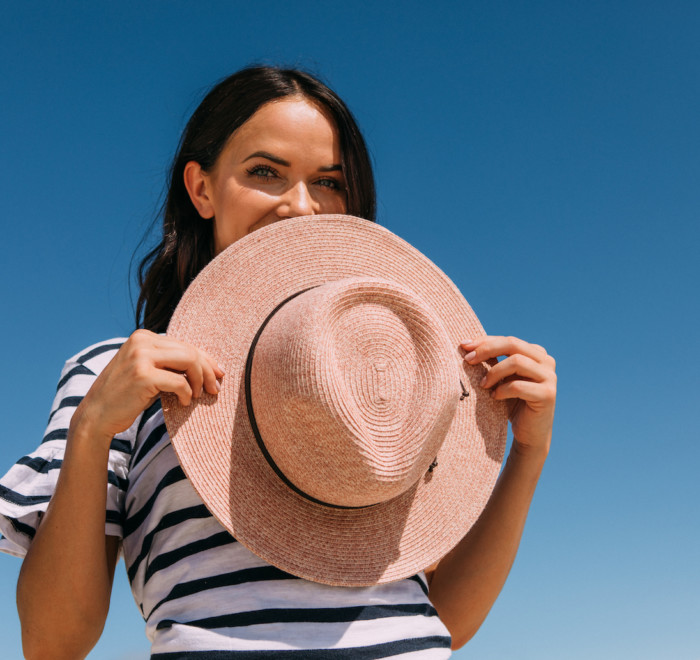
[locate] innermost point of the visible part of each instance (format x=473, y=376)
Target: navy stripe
x=423, y=586
x=154, y=437
x=80, y=370
x=16, y=498
x=22, y=528
x=172, y=476
x=148, y=413
x=113, y=517
x=39, y=464
x=373, y=652
x=168, y=520
x=169, y=558
x=98, y=351
x=124, y=446
x=306, y=615
x=69, y=401
x=23, y=500
x=258, y=574
x=42, y=466
x=56, y=434
x=120, y=482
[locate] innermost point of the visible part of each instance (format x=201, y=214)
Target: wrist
x=529, y=454
x=83, y=430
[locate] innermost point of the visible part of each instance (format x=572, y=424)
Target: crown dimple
x=381, y=395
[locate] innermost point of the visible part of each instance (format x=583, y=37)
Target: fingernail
x=483, y=381
x=467, y=342
x=218, y=386
x=470, y=356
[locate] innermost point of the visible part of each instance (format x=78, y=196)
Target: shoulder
x=95, y=357
x=83, y=367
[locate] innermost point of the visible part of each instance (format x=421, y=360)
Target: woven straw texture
x=378, y=357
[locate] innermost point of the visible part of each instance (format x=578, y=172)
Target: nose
x=296, y=201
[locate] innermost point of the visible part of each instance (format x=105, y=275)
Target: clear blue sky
x=544, y=154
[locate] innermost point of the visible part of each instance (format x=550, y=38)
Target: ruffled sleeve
x=26, y=489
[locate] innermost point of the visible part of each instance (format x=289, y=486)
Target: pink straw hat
x=350, y=444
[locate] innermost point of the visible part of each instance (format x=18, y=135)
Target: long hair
x=187, y=244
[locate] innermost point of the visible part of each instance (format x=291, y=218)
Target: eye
x=262, y=172
x=330, y=183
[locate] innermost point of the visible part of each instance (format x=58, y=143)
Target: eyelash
x=255, y=171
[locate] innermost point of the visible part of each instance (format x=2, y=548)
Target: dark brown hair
x=187, y=244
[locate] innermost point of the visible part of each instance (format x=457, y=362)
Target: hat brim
x=221, y=312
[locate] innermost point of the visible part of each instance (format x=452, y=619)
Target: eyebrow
x=286, y=163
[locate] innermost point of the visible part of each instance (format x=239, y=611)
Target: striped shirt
x=202, y=594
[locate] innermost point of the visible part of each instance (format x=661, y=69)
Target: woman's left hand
x=525, y=377
x=466, y=582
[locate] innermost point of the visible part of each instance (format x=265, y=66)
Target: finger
x=216, y=369
x=182, y=360
x=211, y=380
x=491, y=347
x=202, y=370
x=187, y=360
x=200, y=379
x=195, y=376
x=515, y=365
x=178, y=357
x=532, y=393
x=177, y=350
x=198, y=355
x=204, y=374
x=169, y=381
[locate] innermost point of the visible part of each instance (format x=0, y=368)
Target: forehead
x=291, y=122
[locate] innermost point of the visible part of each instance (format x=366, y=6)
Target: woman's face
x=282, y=163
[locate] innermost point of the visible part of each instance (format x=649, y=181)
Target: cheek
x=336, y=204
x=240, y=211
x=242, y=206
x=250, y=201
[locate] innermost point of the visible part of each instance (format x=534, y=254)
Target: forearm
x=65, y=583
x=468, y=580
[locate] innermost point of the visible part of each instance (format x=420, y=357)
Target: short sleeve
x=27, y=488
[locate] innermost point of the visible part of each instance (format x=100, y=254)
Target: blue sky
x=543, y=154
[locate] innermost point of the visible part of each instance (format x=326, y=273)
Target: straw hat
x=350, y=444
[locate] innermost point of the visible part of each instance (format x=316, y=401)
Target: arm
x=66, y=578
x=65, y=582
x=466, y=582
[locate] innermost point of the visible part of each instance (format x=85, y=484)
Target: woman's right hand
x=64, y=587
x=146, y=365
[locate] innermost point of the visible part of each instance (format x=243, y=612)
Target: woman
x=264, y=145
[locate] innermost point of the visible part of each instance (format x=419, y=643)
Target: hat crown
x=354, y=386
